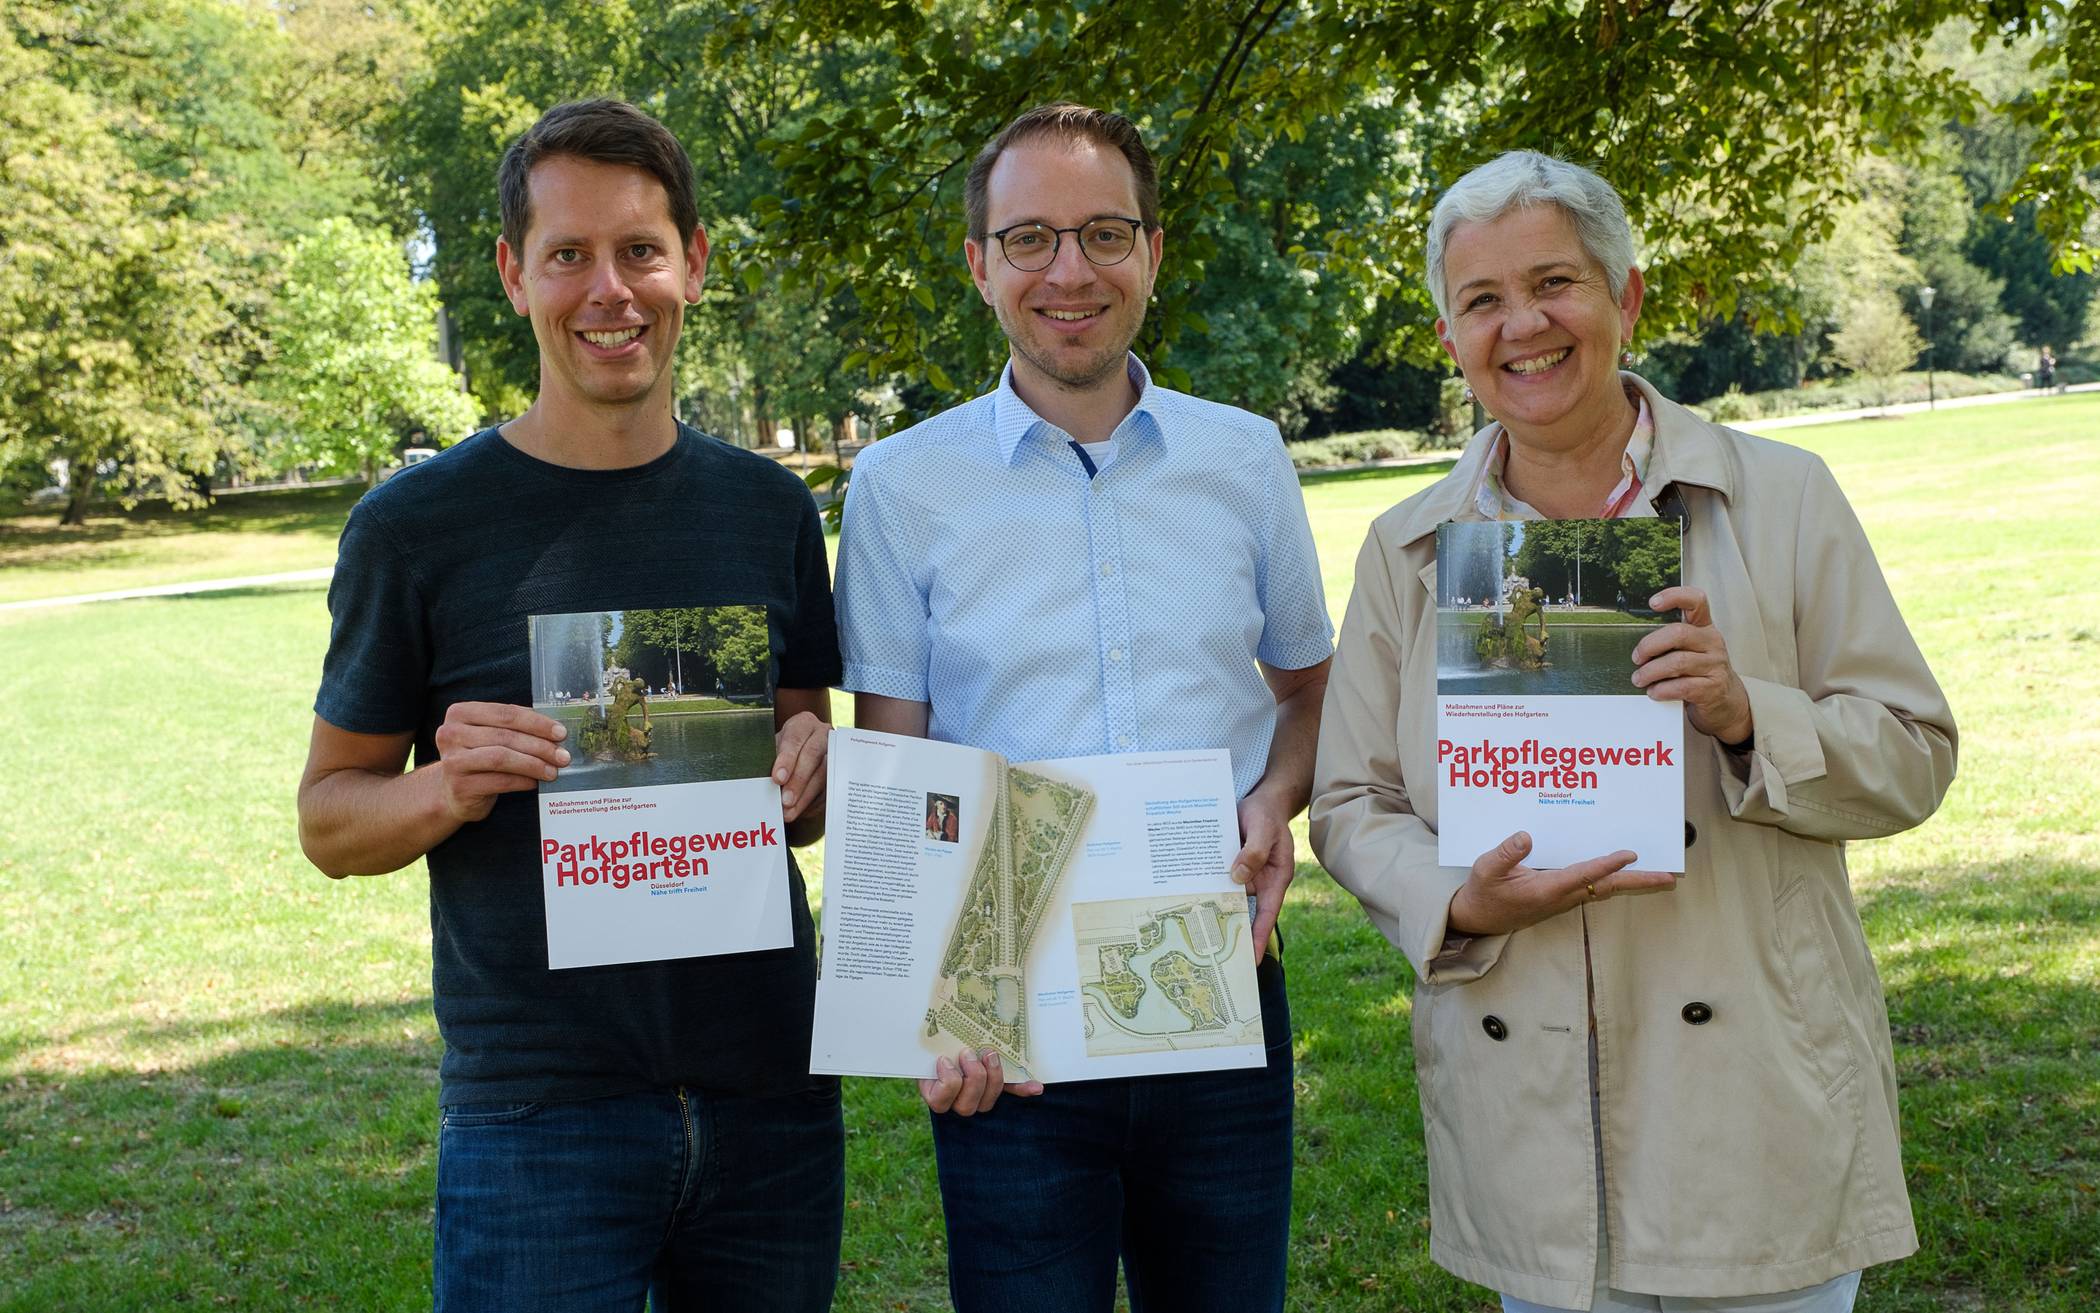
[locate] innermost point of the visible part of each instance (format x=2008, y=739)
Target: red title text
x=642, y=856
x=1535, y=765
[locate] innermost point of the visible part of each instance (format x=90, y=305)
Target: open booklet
x=1539, y=725
x=1076, y=916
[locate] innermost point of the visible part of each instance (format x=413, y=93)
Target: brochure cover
x=662, y=837
x=1539, y=725
x=1074, y=915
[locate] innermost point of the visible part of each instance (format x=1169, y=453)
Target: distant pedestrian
x=2045, y=370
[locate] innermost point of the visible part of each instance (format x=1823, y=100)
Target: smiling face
x=1534, y=326
x=605, y=280
x=1070, y=324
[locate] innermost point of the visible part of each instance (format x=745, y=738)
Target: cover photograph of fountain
x=1539, y=725
x=662, y=837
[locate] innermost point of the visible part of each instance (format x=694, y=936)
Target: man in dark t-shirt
x=607, y=1133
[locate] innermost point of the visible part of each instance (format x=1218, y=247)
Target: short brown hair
x=610, y=132
x=1068, y=122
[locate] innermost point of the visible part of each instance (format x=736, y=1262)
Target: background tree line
x=1957, y=214
x=228, y=224
x=203, y=272
x=1617, y=563
x=696, y=649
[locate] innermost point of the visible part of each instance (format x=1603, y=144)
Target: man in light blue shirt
x=1085, y=562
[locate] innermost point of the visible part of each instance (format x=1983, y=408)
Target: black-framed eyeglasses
x=1032, y=247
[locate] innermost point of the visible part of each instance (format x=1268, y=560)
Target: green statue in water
x=1502, y=642
x=610, y=733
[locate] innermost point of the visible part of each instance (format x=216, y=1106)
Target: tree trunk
x=78, y=496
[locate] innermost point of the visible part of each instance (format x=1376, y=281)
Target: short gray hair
x=1523, y=178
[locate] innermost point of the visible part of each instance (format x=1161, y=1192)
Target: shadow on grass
x=894, y=1254
x=282, y=1158
x=1988, y=971
x=27, y=535
x=286, y=1158
x=1360, y=1189
x=316, y=1024
x=315, y=586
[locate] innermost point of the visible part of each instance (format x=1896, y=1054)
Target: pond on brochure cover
x=1580, y=659
x=708, y=745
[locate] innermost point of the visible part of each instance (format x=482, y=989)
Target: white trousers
x=1834, y=1296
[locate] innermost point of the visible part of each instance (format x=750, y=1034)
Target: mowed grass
x=245, y=534
x=218, y=1068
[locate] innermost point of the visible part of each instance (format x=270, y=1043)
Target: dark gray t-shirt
x=436, y=573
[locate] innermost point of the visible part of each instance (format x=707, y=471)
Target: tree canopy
x=178, y=177
x=121, y=336
x=353, y=368
x=158, y=158
x=698, y=649
x=1602, y=563
x=1729, y=130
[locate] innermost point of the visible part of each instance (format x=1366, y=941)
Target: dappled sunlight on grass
x=206, y=1175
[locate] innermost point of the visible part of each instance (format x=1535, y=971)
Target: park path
x=176, y=590
x=1752, y=426
x=1808, y=417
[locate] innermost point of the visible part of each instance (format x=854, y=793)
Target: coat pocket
x=1804, y=952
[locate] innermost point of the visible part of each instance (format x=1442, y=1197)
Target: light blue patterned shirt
x=1045, y=613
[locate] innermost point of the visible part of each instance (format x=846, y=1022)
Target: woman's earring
x=1626, y=356
x=1467, y=395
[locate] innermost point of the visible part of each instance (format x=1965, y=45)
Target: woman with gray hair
x=1687, y=1099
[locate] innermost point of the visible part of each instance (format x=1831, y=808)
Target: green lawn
x=217, y=1068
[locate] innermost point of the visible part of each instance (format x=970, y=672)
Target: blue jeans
x=691, y=1200
x=1186, y=1177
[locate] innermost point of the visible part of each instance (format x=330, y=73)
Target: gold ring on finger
x=1591, y=887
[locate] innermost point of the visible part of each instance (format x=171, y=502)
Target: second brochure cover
x=1539, y=725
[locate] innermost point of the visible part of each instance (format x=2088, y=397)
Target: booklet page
x=1082, y=921
x=1146, y=959
x=908, y=825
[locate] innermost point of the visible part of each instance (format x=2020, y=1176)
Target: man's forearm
x=1287, y=782
x=361, y=822
x=891, y=715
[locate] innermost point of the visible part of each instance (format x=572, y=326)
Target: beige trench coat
x=1756, y=1150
